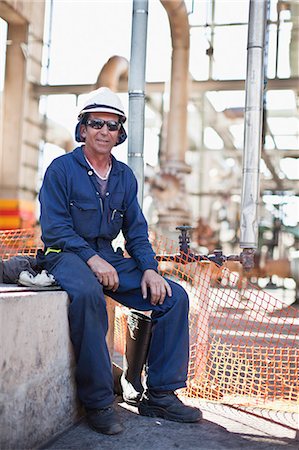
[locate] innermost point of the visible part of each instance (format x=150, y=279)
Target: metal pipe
x=294, y=44
x=168, y=185
x=113, y=72
x=177, y=118
x=196, y=86
x=137, y=92
x=253, y=124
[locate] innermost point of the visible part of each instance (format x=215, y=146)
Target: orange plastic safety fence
x=243, y=341
x=19, y=242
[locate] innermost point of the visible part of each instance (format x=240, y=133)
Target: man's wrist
x=86, y=254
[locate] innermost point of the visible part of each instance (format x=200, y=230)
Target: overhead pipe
x=177, y=117
x=137, y=92
x=57, y=134
x=253, y=129
x=113, y=72
x=153, y=87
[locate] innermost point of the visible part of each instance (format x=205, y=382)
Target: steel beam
x=159, y=86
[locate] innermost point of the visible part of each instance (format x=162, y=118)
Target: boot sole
x=110, y=431
x=163, y=414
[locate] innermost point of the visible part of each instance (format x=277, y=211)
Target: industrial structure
x=198, y=119
x=214, y=147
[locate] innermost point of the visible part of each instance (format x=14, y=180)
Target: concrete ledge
x=37, y=389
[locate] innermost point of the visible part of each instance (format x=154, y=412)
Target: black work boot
x=138, y=336
x=168, y=406
x=104, y=420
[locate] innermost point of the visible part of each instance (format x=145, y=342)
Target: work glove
x=10, y=269
x=42, y=279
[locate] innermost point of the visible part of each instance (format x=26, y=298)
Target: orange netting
x=19, y=242
x=243, y=341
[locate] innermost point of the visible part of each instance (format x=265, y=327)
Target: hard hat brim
x=102, y=108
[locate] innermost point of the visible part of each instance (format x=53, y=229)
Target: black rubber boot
x=117, y=373
x=138, y=336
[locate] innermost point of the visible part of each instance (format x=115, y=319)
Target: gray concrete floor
x=222, y=427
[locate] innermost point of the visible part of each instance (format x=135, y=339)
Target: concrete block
x=37, y=388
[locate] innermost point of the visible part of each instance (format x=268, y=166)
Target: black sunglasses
x=97, y=124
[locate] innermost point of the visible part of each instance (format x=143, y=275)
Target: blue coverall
x=77, y=221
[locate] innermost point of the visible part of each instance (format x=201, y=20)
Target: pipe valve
x=186, y=256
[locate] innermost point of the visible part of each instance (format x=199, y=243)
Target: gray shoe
x=167, y=406
x=104, y=420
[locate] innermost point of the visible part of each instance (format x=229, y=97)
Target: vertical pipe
x=277, y=41
x=253, y=123
x=137, y=92
x=177, y=117
x=264, y=119
x=294, y=44
x=211, y=54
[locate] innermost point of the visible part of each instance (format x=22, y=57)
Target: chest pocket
x=86, y=215
x=116, y=213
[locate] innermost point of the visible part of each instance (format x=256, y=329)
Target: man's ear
x=83, y=131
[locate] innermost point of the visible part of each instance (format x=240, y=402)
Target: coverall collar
x=79, y=155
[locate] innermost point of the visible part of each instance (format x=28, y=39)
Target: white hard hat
x=102, y=100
